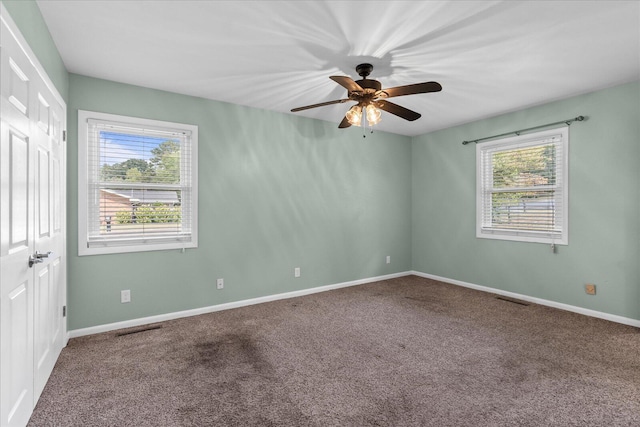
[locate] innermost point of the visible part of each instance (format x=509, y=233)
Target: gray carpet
x=402, y=352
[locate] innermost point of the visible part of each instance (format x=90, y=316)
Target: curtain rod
x=517, y=132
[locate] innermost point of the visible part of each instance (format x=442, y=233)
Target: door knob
x=37, y=258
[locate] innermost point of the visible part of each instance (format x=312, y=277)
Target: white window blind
x=523, y=188
x=139, y=191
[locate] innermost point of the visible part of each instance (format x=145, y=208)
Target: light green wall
x=276, y=192
x=27, y=16
x=604, y=202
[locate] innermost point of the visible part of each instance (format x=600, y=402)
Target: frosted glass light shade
x=374, y=115
x=354, y=115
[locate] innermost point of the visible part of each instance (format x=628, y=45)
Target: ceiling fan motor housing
x=370, y=84
x=363, y=71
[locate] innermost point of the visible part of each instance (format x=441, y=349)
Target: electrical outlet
x=590, y=288
x=388, y=259
x=296, y=272
x=125, y=296
x=220, y=283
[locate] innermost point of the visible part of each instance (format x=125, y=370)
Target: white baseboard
x=219, y=307
x=554, y=304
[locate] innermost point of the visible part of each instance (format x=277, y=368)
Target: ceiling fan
x=371, y=98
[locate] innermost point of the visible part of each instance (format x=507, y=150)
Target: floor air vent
x=513, y=301
x=135, y=331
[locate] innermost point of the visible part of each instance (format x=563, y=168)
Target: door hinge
x=64, y=135
x=64, y=311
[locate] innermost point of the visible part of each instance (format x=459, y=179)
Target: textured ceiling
x=491, y=57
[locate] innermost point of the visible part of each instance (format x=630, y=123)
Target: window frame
x=562, y=172
x=141, y=244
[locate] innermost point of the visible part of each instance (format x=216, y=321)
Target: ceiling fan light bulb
x=354, y=115
x=374, y=115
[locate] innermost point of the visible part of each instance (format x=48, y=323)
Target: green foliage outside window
x=123, y=217
x=524, y=167
x=163, y=167
x=532, y=168
x=147, y=214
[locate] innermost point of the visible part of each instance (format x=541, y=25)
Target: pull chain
x=364, y=122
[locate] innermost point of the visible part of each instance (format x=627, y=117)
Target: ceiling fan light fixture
x=374, y=115
x=354, y=115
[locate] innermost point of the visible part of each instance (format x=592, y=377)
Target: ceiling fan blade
x=348, y=83
x=397, y=110
x=410, y=89
x=344, y=123
x=322, y=104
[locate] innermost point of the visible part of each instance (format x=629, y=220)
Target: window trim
x=137, y=244
x=529, y=139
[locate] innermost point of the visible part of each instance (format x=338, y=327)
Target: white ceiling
x=491, y=57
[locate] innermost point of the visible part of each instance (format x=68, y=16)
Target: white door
x=32, y=154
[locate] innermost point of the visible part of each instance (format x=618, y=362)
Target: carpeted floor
x=402, y=352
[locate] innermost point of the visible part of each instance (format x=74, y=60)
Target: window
x=137, y=184
x=522, y=188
